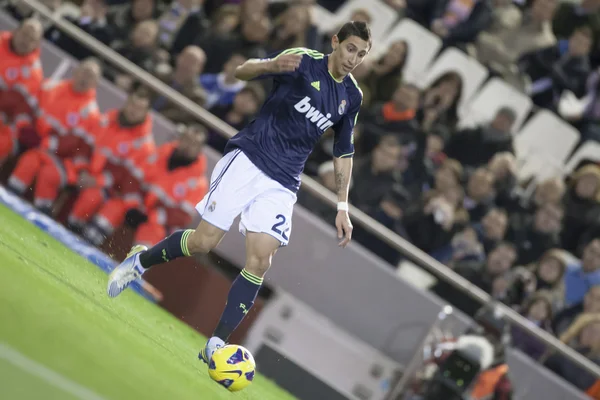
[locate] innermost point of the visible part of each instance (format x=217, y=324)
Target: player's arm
x=343, y=150
x=255, y=68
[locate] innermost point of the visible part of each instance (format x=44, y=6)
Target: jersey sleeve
x=306, y=54
x=343, y=144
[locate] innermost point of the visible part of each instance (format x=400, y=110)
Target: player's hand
x=286, y=63
x=344, y=228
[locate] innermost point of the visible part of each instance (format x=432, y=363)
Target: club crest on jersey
x=342, y=107
x=313, y=115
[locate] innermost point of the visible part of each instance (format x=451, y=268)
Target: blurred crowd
x=453, y=192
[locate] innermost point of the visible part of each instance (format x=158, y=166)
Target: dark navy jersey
x=301, y=107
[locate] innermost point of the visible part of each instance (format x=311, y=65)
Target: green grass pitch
x=59, y=331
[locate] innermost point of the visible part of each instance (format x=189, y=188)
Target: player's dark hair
x=355, y=28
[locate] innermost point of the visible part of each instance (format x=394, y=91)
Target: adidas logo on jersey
x=314, y=115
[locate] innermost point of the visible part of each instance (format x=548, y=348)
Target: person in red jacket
x=20, y=78
x=116, y=167
x=175, y=180
x=69, y=125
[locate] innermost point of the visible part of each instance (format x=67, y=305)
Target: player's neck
x=331, y=69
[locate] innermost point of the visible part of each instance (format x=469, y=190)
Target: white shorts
x=237, y=187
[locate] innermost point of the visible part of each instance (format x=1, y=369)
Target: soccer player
x=259, y=175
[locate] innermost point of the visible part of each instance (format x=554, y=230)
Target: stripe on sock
x=184, y=240
x=250, y=277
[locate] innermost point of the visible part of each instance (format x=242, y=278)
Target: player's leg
x=260, y=249
x=267, y=225
x=229, y=190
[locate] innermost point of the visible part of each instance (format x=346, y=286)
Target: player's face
x=348, y=54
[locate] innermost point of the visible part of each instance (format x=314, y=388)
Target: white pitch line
x=53, y=378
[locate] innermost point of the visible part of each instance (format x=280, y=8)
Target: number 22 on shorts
x=276, y=228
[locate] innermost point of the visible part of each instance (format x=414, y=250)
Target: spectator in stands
x=538, y=311
x=475, y=147
x=390, y=212
x=548, y=273
x=249, y=39
x=562, y=67
x=175, y=179
x=125, y=17
x=128, y=137
x=140, y=49
x=582, y=206
x=501, y=49
x=69, y=126
x=432, y=223
x=185, y=78
x=571, y=16
x=180, y=24
x=92, y=21
x=221, y=88
x=374, y=175
x=549, y=191
x=492, y=228
x=480, y=192
x=581, y=275
x=386, y=72
x=22, y=74
x=293, y=29
x=239, y=113
x=396, y=116
x=506, y=184
x=439, y=110
x=584, y=337
x=459, y=22
x=589, y=305
x=533, y=235
x=483, y=274
x=20, y=11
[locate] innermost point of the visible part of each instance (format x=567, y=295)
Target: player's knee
x=204, y=238
x=258, y=264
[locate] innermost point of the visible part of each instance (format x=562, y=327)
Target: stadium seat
x=537, y=167
x=546, y=134
x=472, y=72
x=495, y=94
x=322, y=18
x=422, y=47
x=383, y=16
x=588, y=151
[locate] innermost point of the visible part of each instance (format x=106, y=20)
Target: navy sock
x=241, y=298
x=173, y=247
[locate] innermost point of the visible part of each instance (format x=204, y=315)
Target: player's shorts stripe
x=218, y=180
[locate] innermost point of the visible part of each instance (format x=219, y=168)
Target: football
x=232, y=367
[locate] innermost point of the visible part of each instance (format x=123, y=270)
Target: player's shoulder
x=353, y=88
x=311, y=54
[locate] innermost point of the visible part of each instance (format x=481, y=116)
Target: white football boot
x=213, y=344
x=126, y=272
